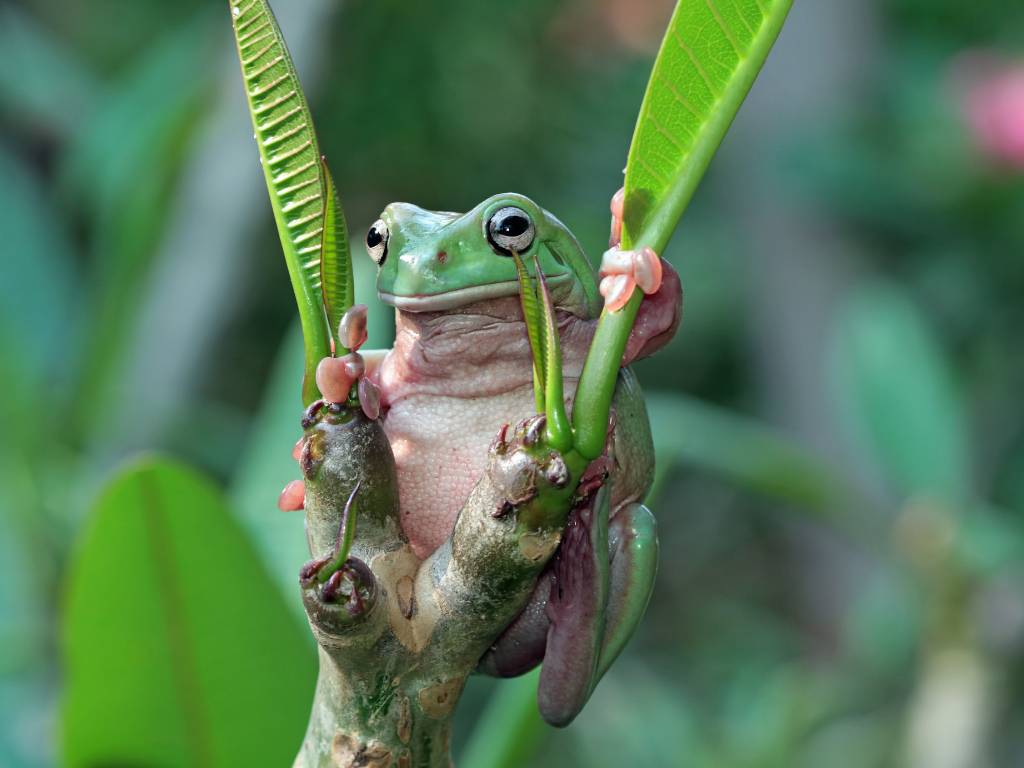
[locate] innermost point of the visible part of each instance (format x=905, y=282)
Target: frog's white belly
x=440, y=445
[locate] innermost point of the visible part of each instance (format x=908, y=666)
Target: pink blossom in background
x=992, y=95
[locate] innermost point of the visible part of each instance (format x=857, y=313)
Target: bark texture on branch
x=399, y=636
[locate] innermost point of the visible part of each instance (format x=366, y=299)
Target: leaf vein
x=694, y=59
x=725, y=28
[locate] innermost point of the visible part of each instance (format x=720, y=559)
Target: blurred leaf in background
x=179, y=651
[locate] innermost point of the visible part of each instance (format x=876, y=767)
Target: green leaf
x=336, y=278
x=178, y=650
x=295, y=175
x=708, y=61
x=346, y=535
x=559, y=429
x=510, y=730
x=711, y=54
x=710, y=439
x=38, y=296
x=897, y=397
x=534, y=321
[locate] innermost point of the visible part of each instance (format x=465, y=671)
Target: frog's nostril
x=442, y=256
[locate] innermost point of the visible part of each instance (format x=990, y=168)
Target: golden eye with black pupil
x=377, y=241
x=509, y=229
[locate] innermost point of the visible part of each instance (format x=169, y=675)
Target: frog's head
x=431, y=261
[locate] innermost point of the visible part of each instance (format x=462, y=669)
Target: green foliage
x=337, y=281
x=747, y=453
x=265, y=468
x=294, y=170
x=510, y=730
x=120, y=172
x=179, y=652
x=703, y=72
x=898, y=395
x=707, y=63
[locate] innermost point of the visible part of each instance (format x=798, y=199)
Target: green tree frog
x=461, y=371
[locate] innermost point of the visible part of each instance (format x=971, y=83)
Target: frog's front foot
x=622, y=271
x=335, y=376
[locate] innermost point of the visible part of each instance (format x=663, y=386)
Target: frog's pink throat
x=462, y=297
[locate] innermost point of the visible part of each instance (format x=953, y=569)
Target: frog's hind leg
x=567, y=678
x=566, y=636
x=576, y=609
x=633, y=551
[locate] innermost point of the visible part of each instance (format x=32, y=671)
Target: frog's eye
x=509, y=229
x=377, y=241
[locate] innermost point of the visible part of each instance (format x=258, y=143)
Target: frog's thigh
x=633, y=550
x=632, y=446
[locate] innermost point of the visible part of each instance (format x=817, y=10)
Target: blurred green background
x=840, y=421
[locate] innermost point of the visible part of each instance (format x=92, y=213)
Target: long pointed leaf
x=559, y=429
x=161, y=649
x=336, y=279
x=534, y=321
x=711, y=54
x=292, y=166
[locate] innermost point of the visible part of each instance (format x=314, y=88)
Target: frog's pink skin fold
x=369, y=398
x=658, y=319
x=576, y=609
x=334, y=379
x=352, y=328
x=293, y=497
x=297, y=448
x=633, y=559
x=617, y=203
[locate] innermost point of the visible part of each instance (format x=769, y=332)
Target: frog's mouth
x=461, y=297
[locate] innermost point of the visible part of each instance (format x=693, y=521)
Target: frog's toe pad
x=293, y=497
x=352, y=328
x=621, y=271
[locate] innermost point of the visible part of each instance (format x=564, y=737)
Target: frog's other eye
x=377, y=241
x=509, y=229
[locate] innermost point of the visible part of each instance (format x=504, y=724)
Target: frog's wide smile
x=461, y=297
